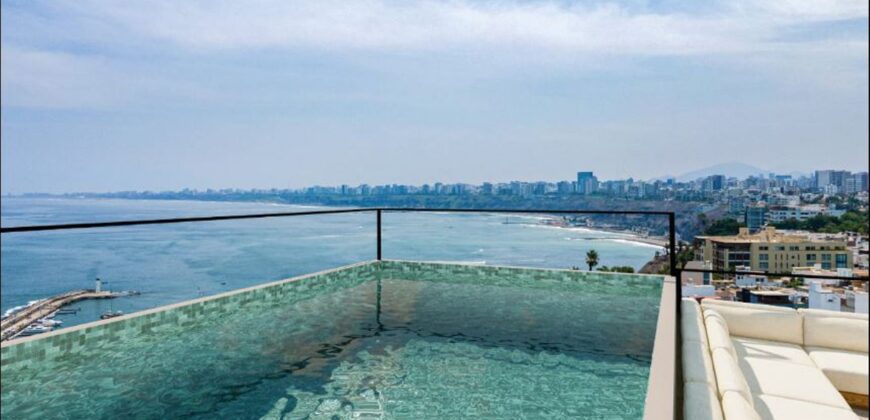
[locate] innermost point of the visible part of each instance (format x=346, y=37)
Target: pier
x=22, y=319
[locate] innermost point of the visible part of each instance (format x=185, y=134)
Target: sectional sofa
x=751, y=361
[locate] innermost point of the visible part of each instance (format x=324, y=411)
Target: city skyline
x=826, y=181
x=162, y=96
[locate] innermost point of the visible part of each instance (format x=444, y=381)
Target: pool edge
x=182, y=304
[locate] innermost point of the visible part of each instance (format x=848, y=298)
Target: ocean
x=172, y=263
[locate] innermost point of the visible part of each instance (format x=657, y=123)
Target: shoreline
x=629, y=236
x=648, y=240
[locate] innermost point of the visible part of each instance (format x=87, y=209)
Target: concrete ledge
x=661, y=398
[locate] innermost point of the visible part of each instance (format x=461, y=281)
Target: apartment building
x=769, y=250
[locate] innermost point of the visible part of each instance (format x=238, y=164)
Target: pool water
x=382, y=348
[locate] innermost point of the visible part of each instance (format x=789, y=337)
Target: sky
x=164, y=95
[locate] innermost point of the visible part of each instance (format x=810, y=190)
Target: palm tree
x=591, y=259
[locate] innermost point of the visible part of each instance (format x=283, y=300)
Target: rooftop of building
x=766, y=235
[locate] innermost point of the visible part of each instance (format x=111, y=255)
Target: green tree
x=618, y=269
x=723, y=227
x=853, y=221
x=591, y=259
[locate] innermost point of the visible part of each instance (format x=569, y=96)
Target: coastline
x=628, y=235
x=634, y=237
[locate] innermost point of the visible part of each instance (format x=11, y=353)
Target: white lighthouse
x=98, y=285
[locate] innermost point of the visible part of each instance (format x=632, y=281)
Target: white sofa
x=751, y=361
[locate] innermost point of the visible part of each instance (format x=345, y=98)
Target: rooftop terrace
x=377, y=338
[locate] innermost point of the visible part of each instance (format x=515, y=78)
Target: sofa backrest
x=759, y=321
x=700, y=395
x=836, y=330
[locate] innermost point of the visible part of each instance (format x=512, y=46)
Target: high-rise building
x=856, y=182
x=587, y=183
x=755, y=217
x=829, y=177
x=486, y=188
x=714, y=183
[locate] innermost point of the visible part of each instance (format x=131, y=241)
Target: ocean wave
x=635, y=243
x=11, y=311
x=582, y=230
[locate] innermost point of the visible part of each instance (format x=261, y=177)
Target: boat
x=108, y=315
x=34, y=329
x=49, y=322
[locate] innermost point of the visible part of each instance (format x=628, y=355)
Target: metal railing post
x=678, y=345
x=379, y=234
x=672, y=243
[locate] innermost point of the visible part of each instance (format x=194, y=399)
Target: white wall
x=823, y=299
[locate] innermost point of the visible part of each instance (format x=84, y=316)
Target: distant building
x=737, y=205
x=855, y=183
x=776, y=214
x=858, y=300
x=587, y=183
x=691, y=277
x=769, y=250
x=766, y=297
x=827, y=178
x=821, y=298
x=694, y=290
x=714, y=182
x=743, y=279
x=817, y=270
x=755, y=217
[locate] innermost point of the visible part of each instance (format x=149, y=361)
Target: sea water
x=176, y=262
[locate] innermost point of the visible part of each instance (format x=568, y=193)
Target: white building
x=817, y=270
x=776, y=214
x=752, y=280
x=695, y=290
x=858, y=300
x=821, y=298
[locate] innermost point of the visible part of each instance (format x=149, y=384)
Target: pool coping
x=661, y=394
x=184, y=303
x=189, y=302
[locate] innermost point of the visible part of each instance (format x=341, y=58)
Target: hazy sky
x=170, y=94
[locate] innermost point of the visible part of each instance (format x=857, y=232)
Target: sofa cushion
x=737, y=407
x=847, y=370
x=789, y=380
x=729, y=376
x=717, y=333
x=692, y=321
x=700, y=402
x=760, y=321
x=697, y=363
x=710, y=315
x=770, y=350
x=836, y=330
x=773, y=407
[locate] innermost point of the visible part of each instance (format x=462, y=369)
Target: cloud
x=89, y=53
x=607, y=28
x=51, y=79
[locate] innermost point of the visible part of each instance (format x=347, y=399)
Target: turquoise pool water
x=436, y=341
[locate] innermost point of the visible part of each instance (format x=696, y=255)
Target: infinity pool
x=378, y=340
